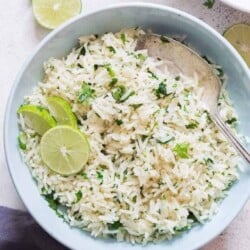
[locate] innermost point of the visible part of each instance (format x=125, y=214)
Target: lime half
x=51, y=13
x=239, y=36
x=37, y=118
x=62, y=111
x=64, y=150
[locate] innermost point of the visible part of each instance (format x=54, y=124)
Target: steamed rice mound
x=157, y=163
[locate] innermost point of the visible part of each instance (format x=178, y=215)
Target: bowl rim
x=47, y=38
x=235, y=5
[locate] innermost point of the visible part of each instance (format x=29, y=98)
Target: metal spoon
x=181, y=59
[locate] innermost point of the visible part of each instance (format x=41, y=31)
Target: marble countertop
x=20, y=34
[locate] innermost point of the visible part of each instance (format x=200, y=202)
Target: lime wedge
x=37, y=118
x=64, y=150
x=61, y=110
x=51, y=13
x=239, y=36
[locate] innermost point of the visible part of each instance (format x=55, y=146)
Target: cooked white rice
x=137, y=185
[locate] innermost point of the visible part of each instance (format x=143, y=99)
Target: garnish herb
x=86, y=94
x=181, y=229
x=231, y=121
x=164, y=39
x=119, y=122
x=209, y=3
x=192, y=217
x=165, y=142
x=152, y=75
x=192, y=125
x=114, y=226
x=135, y=106
x=141, y=57
x=112, y=49
x=113, y=82
x=177, y=78
x=161, y=91
x=84, y=175
x=21, y=142
x=120, y=94
x=96, y=66
x=54, y=204
x=182, y=150
x=208, y=161
x=99, y=176
x=78, y=196
x=123, y=38
x=82, y=52
x=110, y=70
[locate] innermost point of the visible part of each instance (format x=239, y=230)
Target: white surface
x=243, y=5
x=20, y=34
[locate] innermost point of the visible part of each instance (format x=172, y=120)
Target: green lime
x=51, y=13
x=239, y=36
x=64, y=150
x=37, y=118
x=62, y=111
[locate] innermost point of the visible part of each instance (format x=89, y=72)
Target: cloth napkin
x=19, y=231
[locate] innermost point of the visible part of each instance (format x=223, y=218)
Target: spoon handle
x=228, y=134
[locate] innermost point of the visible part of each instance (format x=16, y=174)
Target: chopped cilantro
x=141, y=57
x=164, y=39
x=79, y=65
x=119, y=122
x=165, y=142
x=78, y=195
x=110, y=70
x=182, y=150
x=113, y=82
x=152, y=75
x=135, y=106
x=120, y=94
x=177, y=78
x=99, y=176
x=192, y=217
x=82, y=52
x=161, y=91
x=192, y=125
x=181, y=229
x=114, y=226
x=123, y=38
x=134, y=198
x=84, y=175
x=21, y=142
x=231, y=121
x=209, y=3
x=53, y=203
x=112, y=49
x=208, y=161
x=96, y=66
x=86, y=94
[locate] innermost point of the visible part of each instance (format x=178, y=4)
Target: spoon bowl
x=181, y=59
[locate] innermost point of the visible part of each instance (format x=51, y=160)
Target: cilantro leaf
x=78, y=195
x=86, y=94
x=112, y=49
x=209, y=4
x=114, y=226
x=182, y=150
x=123, y=38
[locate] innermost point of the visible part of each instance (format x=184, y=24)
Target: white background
x=19, y=34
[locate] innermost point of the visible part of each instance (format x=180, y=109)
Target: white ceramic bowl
x=162, y=20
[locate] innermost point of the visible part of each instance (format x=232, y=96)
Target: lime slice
x=64, y=150
x=37, y=118
x=62, y=111
x=239, y=36
x=51, y=13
